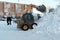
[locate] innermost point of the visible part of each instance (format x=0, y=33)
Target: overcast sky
x=48, y=3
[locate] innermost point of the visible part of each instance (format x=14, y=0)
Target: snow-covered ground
x=48, y=29
x=10, y=32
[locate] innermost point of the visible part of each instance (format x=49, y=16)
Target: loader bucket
x=41, y=8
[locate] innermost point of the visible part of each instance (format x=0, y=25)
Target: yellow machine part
x=19, y=22
x=27, y=9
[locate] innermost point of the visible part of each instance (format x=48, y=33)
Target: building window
x=6, y=8
x=18, y=8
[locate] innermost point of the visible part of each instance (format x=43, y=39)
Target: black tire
x=25, y=27
x=33, y=24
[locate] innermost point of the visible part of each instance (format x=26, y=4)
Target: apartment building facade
x=12, y=8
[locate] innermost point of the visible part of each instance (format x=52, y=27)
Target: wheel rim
x=25, y=27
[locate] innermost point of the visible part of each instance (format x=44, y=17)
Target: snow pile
x=35, y=12
x=49, y=23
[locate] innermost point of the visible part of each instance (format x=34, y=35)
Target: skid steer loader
x=27, y=20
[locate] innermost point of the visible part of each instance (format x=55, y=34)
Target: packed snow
x=10, y=32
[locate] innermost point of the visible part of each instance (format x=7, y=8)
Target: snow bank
x=49, y=23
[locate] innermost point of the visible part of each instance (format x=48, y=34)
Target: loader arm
x=28, y=8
